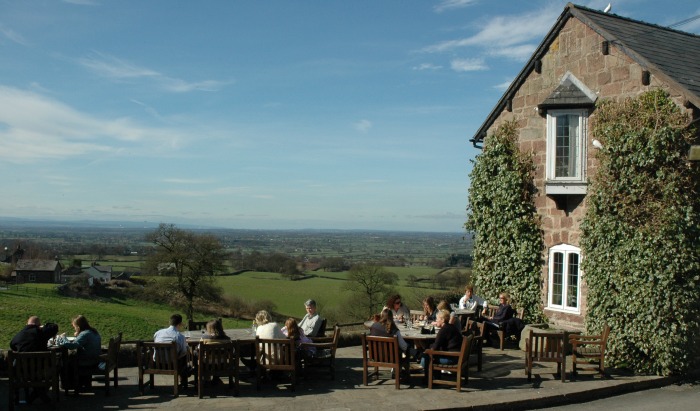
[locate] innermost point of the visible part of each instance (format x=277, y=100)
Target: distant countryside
x=273, y=270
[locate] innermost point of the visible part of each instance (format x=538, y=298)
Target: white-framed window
x=564, y=278
x=566, y=131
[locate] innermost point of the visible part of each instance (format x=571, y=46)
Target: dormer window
x=566, y=110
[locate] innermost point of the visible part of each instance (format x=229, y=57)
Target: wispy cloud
x=517, y=53
x=452, y=4
x=503, y=86
x=363, y=125
x=476, y=64
x=504, y=31
x=112, y=67
x=427, y=66
x=12, y=35
x=36, y=127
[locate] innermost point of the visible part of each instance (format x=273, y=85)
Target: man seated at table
x=34, y=336
x=170, y=334
x=311, y=323
x=449, y=338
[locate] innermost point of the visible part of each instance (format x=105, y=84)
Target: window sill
x=565, y=187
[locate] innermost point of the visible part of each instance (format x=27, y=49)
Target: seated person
x=503, y=313
x=469, y=301
x=429, y=311
x=172, y=333
x=400, y=312
x=311, y=323
x=267, y=329
x=386, y=327
x=88, y=346
x=444, y=305
x=449, y=338
x=215, y=332
x=293, y=331
x=34, y=336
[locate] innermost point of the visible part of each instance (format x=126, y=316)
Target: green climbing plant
x=641, y=235
x=501, y=214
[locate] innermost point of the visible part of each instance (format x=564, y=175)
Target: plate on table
x=70, y=339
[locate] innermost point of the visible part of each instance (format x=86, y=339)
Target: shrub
x=508, y=240
x=641, y=235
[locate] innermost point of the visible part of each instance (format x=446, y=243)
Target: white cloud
x=12, y=35
x=115, y=68
x=427, y=66
x=363, y=125
x=468, y=64
x=518, y=53
x=504, y=31
x=36, y=127
x=452, y=4
x=503, y=86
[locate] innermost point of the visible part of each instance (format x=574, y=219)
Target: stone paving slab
x=502, y=384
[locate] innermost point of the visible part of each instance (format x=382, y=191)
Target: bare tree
x=192, y=259
x=371, y=283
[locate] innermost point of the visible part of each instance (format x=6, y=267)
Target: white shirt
x=269, y=331
x=471, y=303
x=310, y=324
x=172, y=334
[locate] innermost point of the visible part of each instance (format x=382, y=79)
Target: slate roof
x=671, y=55
x=36, y=265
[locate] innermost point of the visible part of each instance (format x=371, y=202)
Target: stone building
x=588, y=55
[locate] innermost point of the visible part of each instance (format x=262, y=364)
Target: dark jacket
x=33, y=338
x=503, y=312
x=449, y=338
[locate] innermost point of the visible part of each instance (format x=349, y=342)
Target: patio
x=501, y=385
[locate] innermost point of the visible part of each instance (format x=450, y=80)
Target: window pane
x=565, y=158
x=572, y=282
x=557, y=278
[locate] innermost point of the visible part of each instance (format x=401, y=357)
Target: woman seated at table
x=88, y=346
x=215, y=332
x=429, y=311
x=444, y=305
x=386, y=327
x=449, y=338
x=266, y=328
x=398, y=309
x=291, y=330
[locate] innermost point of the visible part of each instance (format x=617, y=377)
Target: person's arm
x=403, y=345
x=463, y=302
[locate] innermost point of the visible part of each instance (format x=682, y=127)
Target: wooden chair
x=460, y=368
x=381, y=352
x=519, y=313
x=32, y=370
x=546, y=347
x=158, y=358
x=276, y=355
x=478, y=328
x=585, y=348
x=416, y=315
x=108, y=364
x=196, y=325
x=217, y=359
x=325, y=353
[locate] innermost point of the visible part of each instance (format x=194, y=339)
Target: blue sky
x=260, y=114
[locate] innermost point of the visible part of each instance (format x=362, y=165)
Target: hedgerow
x=641, y=235
x=501, y=214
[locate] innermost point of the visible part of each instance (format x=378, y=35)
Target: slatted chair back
x=380, y=352
x=277, y=354
x=36, y=370
x=546, y=347
x=460, y=369
x=217, y=359
x=109, y=362
x=157, y=359
x=325, y=352
x=587, y=347
x=196, y=325
x=416, y=315
x=477, y=348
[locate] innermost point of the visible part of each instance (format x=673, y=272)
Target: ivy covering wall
x=641, y=236
x=508, y=241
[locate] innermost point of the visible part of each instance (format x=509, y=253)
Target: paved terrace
x=501, y=385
